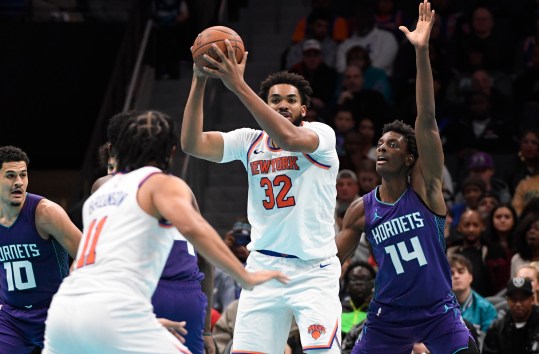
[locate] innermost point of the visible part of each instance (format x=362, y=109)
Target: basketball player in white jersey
x=292, y=168
x=130, y=224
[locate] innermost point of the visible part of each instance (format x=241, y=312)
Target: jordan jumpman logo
x=376, y=216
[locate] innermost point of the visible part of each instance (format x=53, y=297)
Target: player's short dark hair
x=456, y=259
x=398, y=126
x=145, y=139
x=284, y=77
x=11, y=153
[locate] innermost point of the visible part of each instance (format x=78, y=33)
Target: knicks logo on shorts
x=316, y=330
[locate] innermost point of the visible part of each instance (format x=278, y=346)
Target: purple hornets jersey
x=182, y=263
x=408, y=245
x=32, y=268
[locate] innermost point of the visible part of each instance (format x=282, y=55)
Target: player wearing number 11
x=403, y=219
x=292, y=170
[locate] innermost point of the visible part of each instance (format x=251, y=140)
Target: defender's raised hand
x=420, y=36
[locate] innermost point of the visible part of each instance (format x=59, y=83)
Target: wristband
x=206, y=334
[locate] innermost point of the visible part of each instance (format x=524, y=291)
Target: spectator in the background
x=344, y=122
x=531, y=271
x=526, y=242
x=481, y=164
x=318, y=22
x=373, y=78
x=518, y=331
x=381, y=43
x=390, y=17
x=526, y=190
x=473, y=247
x=498, y=89
x=487, y=202
x=323, y=79
x=367, y=129
x=526, y=161
x=472, y=189
x=474, y=307
x=527, y=47
x=501, y=226
x=355, y=147
x=358, y=288
x=480, y=128
x=347, y=188
x=494, y=46
x=226, y=289
x=338, y=27
x=363, y=102
x=367, y=176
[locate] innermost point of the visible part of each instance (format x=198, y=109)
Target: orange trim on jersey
x=271, y=148
x=165, y=224
x=253, y=145
x=329, y=344
x=316, y=163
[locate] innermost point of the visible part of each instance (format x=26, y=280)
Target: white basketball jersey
x=123, y=248
x=292, y=195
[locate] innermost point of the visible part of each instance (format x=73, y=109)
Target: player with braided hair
x=130, y=224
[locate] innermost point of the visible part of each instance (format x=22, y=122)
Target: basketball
x=217, y=35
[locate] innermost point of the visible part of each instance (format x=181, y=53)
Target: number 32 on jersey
x=274, y=196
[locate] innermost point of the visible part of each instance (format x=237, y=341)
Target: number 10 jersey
x=32, y=268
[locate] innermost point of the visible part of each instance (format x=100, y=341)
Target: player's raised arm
x=194, y=140
x=275, y=115
x=170, y=197
x=429, y=145
x=353, y=226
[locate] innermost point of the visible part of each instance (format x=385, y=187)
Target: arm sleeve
x=236, y=144
x=326, y=140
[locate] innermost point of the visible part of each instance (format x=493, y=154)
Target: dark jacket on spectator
x=504, y=338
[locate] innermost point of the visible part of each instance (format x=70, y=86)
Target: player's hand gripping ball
x=216, y=34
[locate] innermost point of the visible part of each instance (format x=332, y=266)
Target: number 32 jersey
x=292, y=195
x=408, y=243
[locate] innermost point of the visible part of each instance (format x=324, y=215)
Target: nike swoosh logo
x=28, y=306
x=257, y=152
x=324, y=265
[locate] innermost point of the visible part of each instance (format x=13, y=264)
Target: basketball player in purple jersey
x=34, y=236
x=403, y=219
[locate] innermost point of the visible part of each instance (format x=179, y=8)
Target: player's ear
x=410, y=160
x=303, y=110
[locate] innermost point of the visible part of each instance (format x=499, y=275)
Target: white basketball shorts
x=312, y=297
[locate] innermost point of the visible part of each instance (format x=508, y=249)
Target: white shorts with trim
x=104, y=323
x=311, y=297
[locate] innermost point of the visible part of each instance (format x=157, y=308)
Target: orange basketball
x=217, y=35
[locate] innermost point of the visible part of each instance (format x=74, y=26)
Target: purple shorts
x=21, y=330
x=183, y=301
x=395, y=330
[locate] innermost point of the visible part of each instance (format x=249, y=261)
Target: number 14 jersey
x=292, y=195
x=407, y=240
